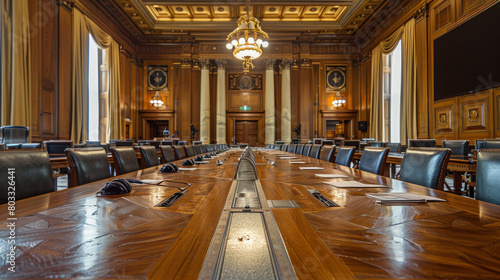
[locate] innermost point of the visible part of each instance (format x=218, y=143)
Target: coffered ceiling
x=283, y=20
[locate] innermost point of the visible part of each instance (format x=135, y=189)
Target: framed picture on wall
x=336, y=77
x=158, y=78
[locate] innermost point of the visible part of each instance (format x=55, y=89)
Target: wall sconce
x=338, y=100
x=156, y=101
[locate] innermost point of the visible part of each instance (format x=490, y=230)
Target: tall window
x=98, y=92
x=392, y=94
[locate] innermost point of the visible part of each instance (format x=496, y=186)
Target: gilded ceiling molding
x=362, y=59
x=186, y=63
x=421, y=13
x=305, y=62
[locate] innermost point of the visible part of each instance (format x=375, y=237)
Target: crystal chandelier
x=338, y=100
x=156, y=101
x=247, y=39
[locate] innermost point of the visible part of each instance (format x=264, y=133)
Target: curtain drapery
x=406, y=34
x=16, y=63
x=82, y=27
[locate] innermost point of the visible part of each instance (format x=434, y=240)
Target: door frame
x=231, y=119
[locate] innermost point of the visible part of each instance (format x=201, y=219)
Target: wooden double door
x=247, y=132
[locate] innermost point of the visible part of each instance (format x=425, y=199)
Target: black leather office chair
x=149, y=156
x=326, y=153
x=284, y=147
x=291, y=148
x=13, y=134
x=92, y=144
x=210, y=148
x=353, y=143
x=203, y=148
x=394, y=147
x=315, y=151
x=373, y=160
x=180, y=152
x=167, y=153
x=124, y=143
x=190, y=151
x=344, y=156
x=87, y=165
x=197, y=149
x=299, y=149
x=457, y=147
x=488, y=176
x=33, y=174
x=125, y=160
x=425, y=166
x=155, y=144
x=415, y=143
x=56, y=148
x=307, y=150
x=269, y=146
x=31, y=145
x=278, y=147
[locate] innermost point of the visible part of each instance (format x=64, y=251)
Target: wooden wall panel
x=496, y=109
x=445, y=120
x=476, y=115
x=64, y=96
x=421, y=76
x=36, y=54
x=185, y=101
x=306, y=97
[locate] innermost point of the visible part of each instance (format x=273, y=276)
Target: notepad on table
x=353, y=184
x=186, y=168
x=288, y=157
x=150, y=181
x=297, y=162
x=201, y=162
x=311, y=168
x=331, y=175
x=403, y=197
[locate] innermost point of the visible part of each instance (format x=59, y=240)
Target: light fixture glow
x=156, y=101
x=338, y=100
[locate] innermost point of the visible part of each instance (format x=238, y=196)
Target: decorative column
x=205, y=102
x=269, y=102
x=221, y=102
x=286, y=117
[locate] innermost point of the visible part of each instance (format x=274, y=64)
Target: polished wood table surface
x=74, y=234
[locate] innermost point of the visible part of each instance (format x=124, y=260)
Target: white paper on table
x=311, y=168
x=150, y=181
x=288, y=157
x=331, y=175
x=297, y=162
x=353, y=184
x=186, y=169
x=398, y=196
x=201, y=162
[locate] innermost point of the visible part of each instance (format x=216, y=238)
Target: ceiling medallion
x=247, y=39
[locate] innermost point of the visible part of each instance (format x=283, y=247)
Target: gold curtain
x=16, y=63
x=83, y=26
x=406, y=34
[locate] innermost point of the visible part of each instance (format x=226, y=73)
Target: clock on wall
x=158, y=78
x=336, y=78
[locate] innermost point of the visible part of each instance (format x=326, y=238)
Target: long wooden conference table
x=75, y=234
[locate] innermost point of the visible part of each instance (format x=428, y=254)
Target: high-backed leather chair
x=87, y=165
x=492, y=144
x=415, y=143
x=92, y=144
x=299, y=149
x=480, y=144
x=155, y=144
x=344, y=156
x=339, y=141
x=315, y=151
x=373, y=160
x=284, y=147
x=425, y=166
x=394, y=147
x=307, y=150
x=269, y=146
x=33, y=174
x=56, y=148
x=203, y=148
x=167, y=153
x=291, y=148
x=167, y=143
x=197, y=149
x=457, y=147
x=278, y=147
x=378, y=144
x=326, y=153
x=180, y=152
x=488, y=176
x=149, y=156
x=125, y=160
x=190, y=151
x=124, y=144
x=13, y=134
x=210, y=148
x=31, y=145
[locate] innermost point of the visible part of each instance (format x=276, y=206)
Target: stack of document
x=311, y=168
x=353, y=184
x=331, y=175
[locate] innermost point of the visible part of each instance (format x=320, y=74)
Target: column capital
x=270, y=64
x=204, y=64
x=286, y=63
x=221, y=64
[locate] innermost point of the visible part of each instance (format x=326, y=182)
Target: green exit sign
x=245, y=108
